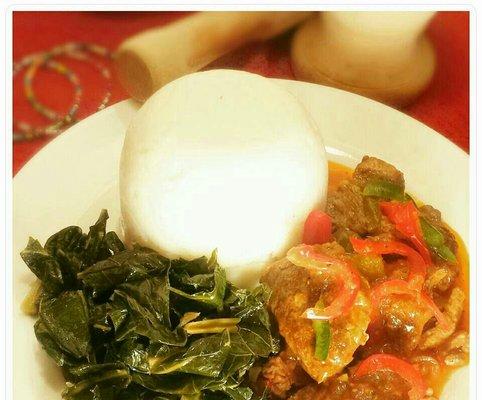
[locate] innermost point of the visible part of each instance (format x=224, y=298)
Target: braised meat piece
x=453, y=311
x=294, y=290
x=404, y=321
x=282, y=372
x=382, y=385
x=374, y=169
x=351, y=210
x=399, y=328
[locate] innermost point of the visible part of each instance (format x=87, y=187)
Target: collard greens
x=121, y=322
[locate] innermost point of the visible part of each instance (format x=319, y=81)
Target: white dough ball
x=223, y=160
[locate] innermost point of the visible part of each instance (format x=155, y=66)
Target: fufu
x=224, y=160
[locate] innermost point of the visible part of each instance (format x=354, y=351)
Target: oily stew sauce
x=407, y=328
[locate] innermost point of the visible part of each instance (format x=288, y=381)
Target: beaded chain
x=78, y=51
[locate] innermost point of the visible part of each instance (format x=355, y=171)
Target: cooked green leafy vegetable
x=131, y=324
x=44, y=265
x=66, y=318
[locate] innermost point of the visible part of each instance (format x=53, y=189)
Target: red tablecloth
x=444, y=106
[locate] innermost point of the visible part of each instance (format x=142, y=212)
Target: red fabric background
x=444, y=106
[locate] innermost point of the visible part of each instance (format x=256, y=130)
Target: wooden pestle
x=150, y=59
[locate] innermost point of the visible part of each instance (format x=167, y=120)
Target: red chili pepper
x=317, y=229
x=388, y=362
x=346, y=277
x=405, y=217
x=418, y=268
x=400, y=287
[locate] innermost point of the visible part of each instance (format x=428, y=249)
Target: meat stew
x=390, y=287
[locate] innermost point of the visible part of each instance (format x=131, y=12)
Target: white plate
x=75, y=176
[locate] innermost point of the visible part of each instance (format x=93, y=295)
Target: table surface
x=444, y=106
